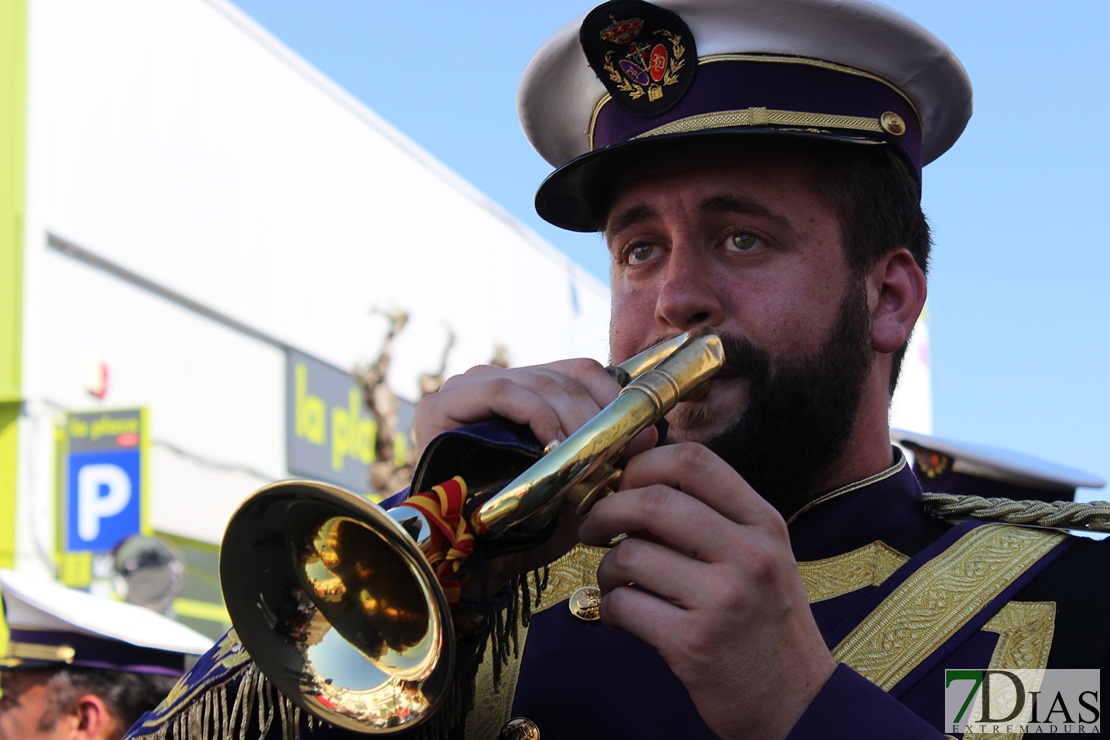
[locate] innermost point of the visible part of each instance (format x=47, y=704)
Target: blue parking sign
x=104, y=497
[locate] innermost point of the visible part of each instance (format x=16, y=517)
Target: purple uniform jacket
x=855, y=547
x=874, y=565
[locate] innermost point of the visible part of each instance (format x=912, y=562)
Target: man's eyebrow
x=629, y=217
x=713, y=204
x=733, y=204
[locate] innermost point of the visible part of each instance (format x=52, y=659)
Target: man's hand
x=716, y=589
x=554, y=400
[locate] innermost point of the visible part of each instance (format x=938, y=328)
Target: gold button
x=519, y=728
x=585, y=603
x=892, y=123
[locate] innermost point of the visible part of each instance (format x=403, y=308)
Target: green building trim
x=13, y=122
x=13, y=140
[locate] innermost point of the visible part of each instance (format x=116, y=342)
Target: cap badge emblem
x=643, y=54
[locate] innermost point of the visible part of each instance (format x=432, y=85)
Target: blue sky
x=1020, y=285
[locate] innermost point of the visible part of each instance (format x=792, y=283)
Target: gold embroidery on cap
x=667, y=75
x=765, y=117
x=32, y=651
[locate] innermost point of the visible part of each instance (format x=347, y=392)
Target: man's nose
x=688, y=294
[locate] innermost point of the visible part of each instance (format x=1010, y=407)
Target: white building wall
x=226, y=200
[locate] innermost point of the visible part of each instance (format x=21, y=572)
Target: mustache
x=743, y=358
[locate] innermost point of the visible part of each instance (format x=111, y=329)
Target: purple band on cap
x=99, y=652
x=818, y=90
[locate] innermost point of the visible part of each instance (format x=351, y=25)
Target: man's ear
x=896, y=292
x=94, y=721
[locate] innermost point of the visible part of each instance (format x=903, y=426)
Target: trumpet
x=334, y=598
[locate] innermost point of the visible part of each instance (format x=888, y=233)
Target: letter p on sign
x=103, y=501
x=103, y=491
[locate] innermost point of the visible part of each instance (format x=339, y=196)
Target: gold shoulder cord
x=1090, y=517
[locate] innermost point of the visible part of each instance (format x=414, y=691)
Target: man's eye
x=639, y=253
x=743, y=241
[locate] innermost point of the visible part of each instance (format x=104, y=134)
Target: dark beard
x=800, y=415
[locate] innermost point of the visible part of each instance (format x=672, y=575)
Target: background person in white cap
x=82, y=666
x=755, y=169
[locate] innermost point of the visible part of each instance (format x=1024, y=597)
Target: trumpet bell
x=338, y=607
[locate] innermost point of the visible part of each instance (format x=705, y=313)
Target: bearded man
x=774, y=573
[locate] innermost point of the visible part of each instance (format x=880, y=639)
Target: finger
x=640, y=613
x=682, y=519
x=657, y=569
x=492, y=398
x=700, y=473
x=662, y=514
x=576, y=390
x=552, y=400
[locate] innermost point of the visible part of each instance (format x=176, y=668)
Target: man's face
x=746, y=247
x=23, y=706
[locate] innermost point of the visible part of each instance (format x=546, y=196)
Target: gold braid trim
x=1091, y=517
x=938, y=599
x=1025, y=630
x=866, y=566
x=765, y=117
